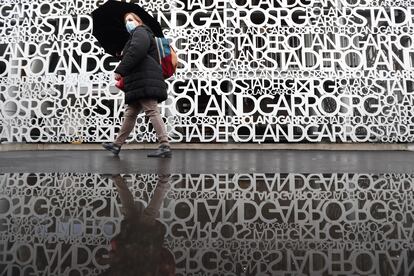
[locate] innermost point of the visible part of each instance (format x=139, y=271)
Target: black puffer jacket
x=141, y=69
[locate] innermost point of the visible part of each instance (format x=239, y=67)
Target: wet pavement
x=210, y=161
x=207, y=213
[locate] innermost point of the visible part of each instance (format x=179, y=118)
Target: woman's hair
x=136, y=17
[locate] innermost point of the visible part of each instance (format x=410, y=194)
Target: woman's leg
x=128, y=125
x=151, y=110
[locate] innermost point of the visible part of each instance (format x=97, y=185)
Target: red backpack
x=167, y=55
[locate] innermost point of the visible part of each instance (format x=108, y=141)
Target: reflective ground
x=169, y=223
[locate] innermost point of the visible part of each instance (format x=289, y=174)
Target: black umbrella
x=109, y=27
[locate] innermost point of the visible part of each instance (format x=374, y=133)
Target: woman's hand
x=117, y=76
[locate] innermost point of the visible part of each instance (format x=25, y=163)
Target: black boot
x=114, y=148
x=163, y=151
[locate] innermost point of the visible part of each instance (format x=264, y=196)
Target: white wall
x=251, y=71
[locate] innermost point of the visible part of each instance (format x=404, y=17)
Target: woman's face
x=131, y=22
x=130, y=18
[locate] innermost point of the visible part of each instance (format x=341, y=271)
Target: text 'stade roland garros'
x=250, y=71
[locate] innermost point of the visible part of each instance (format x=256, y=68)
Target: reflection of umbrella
x=109, y=27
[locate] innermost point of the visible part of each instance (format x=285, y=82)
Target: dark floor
x=210, y=161
x=207, y=213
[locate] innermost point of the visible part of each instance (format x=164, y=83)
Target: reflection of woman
x=138, y=248
x=144, y=85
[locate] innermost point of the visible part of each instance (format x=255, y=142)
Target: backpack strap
x=153, y=38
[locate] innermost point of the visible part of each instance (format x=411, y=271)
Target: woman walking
x=144, y=85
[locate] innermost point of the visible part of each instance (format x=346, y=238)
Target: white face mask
x=130, y=26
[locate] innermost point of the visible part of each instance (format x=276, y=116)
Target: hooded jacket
x=141, y=68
